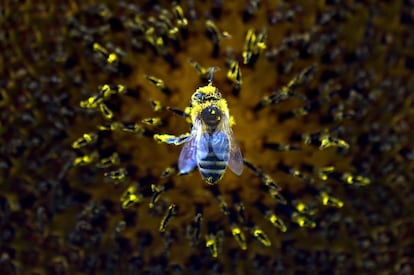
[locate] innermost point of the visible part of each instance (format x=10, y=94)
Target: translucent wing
x=202, y=145
x=220, y=144
x=235, y=159
x=188, y=156
x=187, y=160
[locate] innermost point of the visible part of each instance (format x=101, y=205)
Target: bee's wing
x=188, y=156
x=187, y=160
x=236, y=158
x=202, y=145
x=226, y=148
x=220, y=144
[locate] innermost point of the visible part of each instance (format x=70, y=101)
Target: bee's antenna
x=212, y=69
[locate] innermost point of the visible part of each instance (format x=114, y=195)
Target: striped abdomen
x=212, y=167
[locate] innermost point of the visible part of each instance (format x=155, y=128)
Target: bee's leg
x=171, y=139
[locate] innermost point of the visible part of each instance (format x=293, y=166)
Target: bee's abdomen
x=212, y=168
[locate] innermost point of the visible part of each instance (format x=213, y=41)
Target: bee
x=210, y=145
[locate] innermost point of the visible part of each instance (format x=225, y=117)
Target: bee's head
x=205, y=94
x=207, y=105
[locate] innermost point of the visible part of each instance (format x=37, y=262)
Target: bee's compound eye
x=199, y=96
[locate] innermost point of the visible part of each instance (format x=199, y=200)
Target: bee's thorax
x=211, y=116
